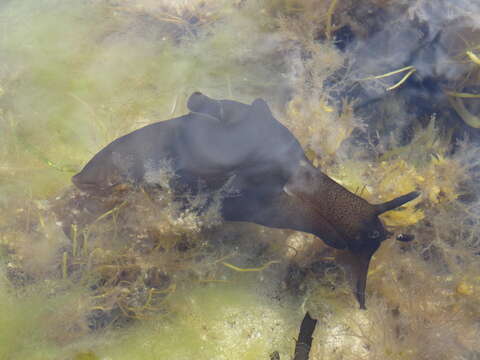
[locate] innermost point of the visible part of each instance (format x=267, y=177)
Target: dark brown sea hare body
x=274, y=183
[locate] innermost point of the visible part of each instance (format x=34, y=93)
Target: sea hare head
x=367, y=242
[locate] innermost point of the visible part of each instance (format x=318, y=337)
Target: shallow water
x=382, y=95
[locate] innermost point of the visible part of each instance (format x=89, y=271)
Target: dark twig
x=304, y=341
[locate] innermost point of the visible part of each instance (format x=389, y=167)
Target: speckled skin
x=276, y=185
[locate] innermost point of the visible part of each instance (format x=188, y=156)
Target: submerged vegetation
x=144, y=276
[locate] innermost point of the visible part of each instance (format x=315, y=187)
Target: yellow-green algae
x=207, y=321
x=34, y=321
x=218, y=321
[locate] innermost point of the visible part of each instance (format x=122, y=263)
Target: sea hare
x=275, y=184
